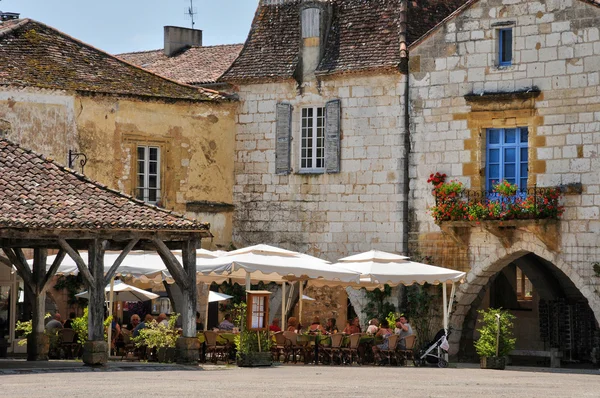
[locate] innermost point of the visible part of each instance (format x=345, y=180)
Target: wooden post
x=188, y=345
x=95, y=351
x=38, y=342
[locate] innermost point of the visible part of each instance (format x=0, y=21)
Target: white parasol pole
x=283, y=320
x=445, y=304
x=301, y=289
x=248, y=285
x=110, y=312
x=206, y=314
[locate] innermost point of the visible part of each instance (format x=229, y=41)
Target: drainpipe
x=405, y=163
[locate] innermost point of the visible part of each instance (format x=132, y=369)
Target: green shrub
x=157, y=335
x=486, y=345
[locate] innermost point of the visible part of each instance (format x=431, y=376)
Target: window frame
x=314, y=136
x=146, y=174
x=501, y=146
x=501, y=43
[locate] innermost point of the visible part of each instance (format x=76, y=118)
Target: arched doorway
x=553, y=306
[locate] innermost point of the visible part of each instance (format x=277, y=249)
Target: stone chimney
x=314, y=21
x=177, y=38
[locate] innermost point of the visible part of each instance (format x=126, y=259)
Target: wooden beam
x=172, y=264
x=81, y=265
x=6, y=261
x=113, y=269
x=53, y=268
x=96, y=291
x=22, y=269
x=190, y=293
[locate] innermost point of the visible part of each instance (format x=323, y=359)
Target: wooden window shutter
x=283, y=136
x=332, y=136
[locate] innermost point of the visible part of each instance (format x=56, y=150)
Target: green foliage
x=377, y=305
x=419, y=309
x=25, y=328
x=247, y=341
x=486, y=345
x=80, y=326
x=596, y=267
x=157, y=335
x=391, y=319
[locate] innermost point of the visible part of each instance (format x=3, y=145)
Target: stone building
x=163, y=142
x=511, y=90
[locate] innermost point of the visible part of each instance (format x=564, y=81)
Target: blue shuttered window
x=505, y=40
x=506, y=156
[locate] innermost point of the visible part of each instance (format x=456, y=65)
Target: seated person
x=315, y=326
x=199, y=324
x=274, y=327
x=385, y=332
x=69, y=322
x=226, y=323
x=54, y=323
x=162, y=319
x=147, y=320
x=331, y=327
x=134, y=321
x=292, y=324
x=403, y=329
x=353, y=327
x=373, y=328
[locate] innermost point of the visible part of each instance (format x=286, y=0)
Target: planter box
x=166, y=355
x=254, y=359
x=498, y=363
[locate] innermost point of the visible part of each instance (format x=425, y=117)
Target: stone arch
x=477, y=278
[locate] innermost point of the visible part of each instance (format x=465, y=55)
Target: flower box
x=254, y=359
x=498, y=363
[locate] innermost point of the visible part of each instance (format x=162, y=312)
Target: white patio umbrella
x=213, y=297
x=272, y=264
x=378, y=268
x=125, y=292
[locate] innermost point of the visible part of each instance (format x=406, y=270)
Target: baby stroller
x=433, y=352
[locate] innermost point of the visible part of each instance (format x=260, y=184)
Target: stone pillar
x=188, y=345
x=38, y=342
x=95, y=351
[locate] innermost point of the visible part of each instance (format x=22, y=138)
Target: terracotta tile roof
x=195, y=65
x=364, y=35
x=33, y=54
x=39, y=193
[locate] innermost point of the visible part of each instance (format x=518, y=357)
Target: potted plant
x=496, y=338
x=253, y=347
x=159, y=338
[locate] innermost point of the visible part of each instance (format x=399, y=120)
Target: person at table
x=385, y=332
x=226, y=324
x=148, y=319
x=331, y=327
x=199, y=324
x=162, y=319
x=403, y=329
x=353, y=327
x=69, y=322
x=134, y=321
x=54, y=323
x=373, y=326
x=292, y=324
x=315, y=326
x=274, y=327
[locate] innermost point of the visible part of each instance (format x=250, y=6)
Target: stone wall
x=328, y=215
x=556, y=51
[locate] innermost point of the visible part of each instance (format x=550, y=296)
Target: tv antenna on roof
x=190, y=12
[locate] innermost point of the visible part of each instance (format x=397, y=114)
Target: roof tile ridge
x=97, y=184
x=139, y=52
x=12, y=28
x=198, y=89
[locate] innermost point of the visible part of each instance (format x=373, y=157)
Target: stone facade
x=556, y=51
x=328, y=215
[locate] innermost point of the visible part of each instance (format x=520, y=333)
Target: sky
x=118, y=26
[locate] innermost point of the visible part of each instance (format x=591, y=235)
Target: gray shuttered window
x=311, y=18
x=332, y=136
x=283, y=136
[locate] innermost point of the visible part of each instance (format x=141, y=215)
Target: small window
x=505, y=47
x=312, y=151
x=507, y=156
x=148, y=174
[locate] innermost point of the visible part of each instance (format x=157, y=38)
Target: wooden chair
x=408, y=351
x=281, y=347
x=216, y=350
x=335, y=349
x=293, y=347
x=68, y=342
x=351, y=351
x=128, y=345
x=390, y=352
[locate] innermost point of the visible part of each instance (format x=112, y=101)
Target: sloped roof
x=36, y=192
x=194, y=65
x=33, y=54
x=364, y=35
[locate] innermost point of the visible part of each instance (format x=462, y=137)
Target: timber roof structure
x=38, y=193
x=194, y=65
x=364, y=35
x=35, y=55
